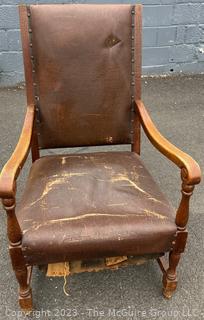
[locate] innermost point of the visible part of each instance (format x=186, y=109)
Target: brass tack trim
x=33, y=64
x=132, y=74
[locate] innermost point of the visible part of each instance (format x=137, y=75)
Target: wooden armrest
x=12, y=168
x=190, y=169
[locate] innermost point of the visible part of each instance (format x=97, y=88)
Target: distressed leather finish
x=93, y=205
x=82, y=62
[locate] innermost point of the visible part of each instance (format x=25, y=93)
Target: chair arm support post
x=14, y=165
x=190, y=170
x=13, y=228
x=182, y=214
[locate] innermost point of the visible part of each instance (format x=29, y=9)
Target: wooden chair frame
x=190, y=176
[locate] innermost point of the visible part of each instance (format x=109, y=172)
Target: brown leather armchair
x=83, y=82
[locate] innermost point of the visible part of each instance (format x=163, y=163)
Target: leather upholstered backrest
x=82, y=64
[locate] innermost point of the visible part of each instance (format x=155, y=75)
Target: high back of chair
x=82, y=68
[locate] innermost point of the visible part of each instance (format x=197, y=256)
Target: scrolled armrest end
x=191, y=174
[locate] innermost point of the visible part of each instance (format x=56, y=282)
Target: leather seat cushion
x=93, y=205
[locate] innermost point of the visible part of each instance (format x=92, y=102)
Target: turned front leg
x=170, y=276
x=17, y=259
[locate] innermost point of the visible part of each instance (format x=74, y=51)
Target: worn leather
x=82, y=62
x=93, y=205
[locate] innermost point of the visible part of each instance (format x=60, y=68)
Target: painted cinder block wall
x=173, y=37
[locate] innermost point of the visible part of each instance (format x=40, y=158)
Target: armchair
x=83, y=84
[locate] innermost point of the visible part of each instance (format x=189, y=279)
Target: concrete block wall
x=173, y=37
